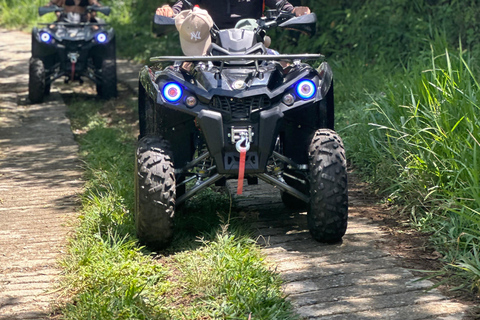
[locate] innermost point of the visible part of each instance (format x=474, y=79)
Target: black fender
x=325, y=74
x=146, y=79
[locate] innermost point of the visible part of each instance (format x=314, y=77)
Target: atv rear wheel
x=154, y=193
x=107, y=80
x=36, y=80
x=328, y=209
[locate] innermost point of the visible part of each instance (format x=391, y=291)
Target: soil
x=412, y=247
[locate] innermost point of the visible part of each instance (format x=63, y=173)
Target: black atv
x=240, y=112
x=72, y=49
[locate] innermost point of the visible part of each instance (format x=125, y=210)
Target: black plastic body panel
x=181, y=125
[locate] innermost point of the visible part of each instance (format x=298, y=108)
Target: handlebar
x=47, y=9
x=272, y=19
x=102, y=9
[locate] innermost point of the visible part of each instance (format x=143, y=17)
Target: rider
x=75, y=8
x=226, y=13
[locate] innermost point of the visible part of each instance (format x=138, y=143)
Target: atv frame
x=240, y=114
x=73, y=51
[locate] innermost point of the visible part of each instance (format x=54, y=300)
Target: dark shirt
x=83, y=3
x=226, y=13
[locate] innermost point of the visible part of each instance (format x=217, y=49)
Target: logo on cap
x=195, y=35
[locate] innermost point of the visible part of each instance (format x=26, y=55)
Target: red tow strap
x=241, y=169
x=73, y=72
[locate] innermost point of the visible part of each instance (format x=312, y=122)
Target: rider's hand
x=300, y=11
x=165, y=10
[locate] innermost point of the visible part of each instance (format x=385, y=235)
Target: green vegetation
x=407, y=109
x=421, y=144
x=220, y=275
x=406, y=81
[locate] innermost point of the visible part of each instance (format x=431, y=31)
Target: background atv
x=73, y=50
x=238, y=113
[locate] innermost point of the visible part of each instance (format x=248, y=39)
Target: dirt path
x=357, y=279
x=39, y=177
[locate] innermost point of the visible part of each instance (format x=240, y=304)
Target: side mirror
x=306, y=24
x=44, y=10
x=162, y=25
x=105, y=10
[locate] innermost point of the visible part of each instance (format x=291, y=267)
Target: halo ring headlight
x=46, y=37
x=306, y=89
x=172, y=92
x=101, y=37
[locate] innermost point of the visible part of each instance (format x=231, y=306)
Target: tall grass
x=422, y=145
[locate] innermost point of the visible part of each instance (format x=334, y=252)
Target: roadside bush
x=384, y=31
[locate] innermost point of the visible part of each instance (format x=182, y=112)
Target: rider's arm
x=298, y=11
x=58, y=3
x=177, y=7
x=168, y=11
x=94, y=3
x=272, y=4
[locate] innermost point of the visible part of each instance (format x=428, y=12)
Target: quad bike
x=240, y=113
x=72, y=49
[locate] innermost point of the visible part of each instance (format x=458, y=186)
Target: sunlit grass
x=213, y=269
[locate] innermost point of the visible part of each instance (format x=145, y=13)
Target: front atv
x=74, y=50
x=240, y=113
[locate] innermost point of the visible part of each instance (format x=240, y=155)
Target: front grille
x=240, y=107
x=73, y=45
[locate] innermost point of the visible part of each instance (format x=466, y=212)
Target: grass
x=408, y=114
x=213, y=270
x=420, y=142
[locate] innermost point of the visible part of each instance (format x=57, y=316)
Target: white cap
x=194, y=29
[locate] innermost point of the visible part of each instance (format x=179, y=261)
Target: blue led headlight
x=101, y=37
x=172, y=92
x=306, y=89
x=45, y=37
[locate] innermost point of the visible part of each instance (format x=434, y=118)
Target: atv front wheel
x=328, y=209
x=36, y=80
x=107, y=81
x=154, y=193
